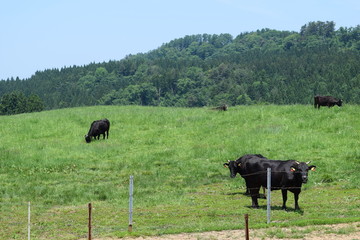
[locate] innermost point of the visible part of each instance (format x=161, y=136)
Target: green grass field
x=176, y=157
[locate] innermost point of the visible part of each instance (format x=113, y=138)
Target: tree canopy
x=264, y=66
x=16, y=102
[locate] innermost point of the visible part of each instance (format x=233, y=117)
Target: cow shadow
x=278, y=208
x=264, y=207
x=261, y=196
x=236, y=193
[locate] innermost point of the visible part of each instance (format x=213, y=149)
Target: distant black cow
x=235, y=167
x=221, y=108
x=326, y=101
x=97, y=128
x=285, y=175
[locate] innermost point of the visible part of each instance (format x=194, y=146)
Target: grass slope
x=176, y=157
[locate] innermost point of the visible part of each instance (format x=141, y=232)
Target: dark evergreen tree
x=13, y=103
x=34, y=104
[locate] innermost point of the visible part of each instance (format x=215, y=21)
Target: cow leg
x=107, y=134
x=254, y=192
x=264, y=194
x=284, y=196
x=255, y=203
x=296, y=198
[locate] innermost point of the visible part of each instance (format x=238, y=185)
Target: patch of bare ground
x=346, y=231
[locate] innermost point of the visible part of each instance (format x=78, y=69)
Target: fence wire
x=72, y=222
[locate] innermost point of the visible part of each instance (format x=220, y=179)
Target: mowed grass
x=176, y=157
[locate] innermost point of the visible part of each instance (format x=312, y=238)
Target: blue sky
x=45, y=34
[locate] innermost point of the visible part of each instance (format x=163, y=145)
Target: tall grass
x=176, y=157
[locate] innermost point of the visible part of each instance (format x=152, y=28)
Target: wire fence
x=37, y=221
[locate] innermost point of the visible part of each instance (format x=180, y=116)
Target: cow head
x=87, y=138
x=233, y=167
x=301, y=169
x=339, y=103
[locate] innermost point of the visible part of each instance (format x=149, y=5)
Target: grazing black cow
x=97, y=128
x=285, y=175
x=235, y=167
x=326, y=101
x=221, y=108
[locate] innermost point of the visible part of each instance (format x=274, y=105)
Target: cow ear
x=239, y=165
x=312, y=168
x=226, y=165
x=292, y=169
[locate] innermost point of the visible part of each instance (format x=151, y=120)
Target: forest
x=260, y=67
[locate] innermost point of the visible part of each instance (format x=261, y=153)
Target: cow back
x=256, y=172
x=99, y=127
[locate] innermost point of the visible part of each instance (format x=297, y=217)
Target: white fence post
x=29, y=222
x=131, y=189
x=268, y=195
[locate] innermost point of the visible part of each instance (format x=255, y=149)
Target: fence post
x=131, y=189
x=247, y=227
x=268, y=195
x=29, y=222
x=89, y=234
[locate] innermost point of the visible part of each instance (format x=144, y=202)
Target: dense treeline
x=265, y=66
x=16, y=102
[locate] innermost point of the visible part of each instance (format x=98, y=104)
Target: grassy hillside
x=176, y=157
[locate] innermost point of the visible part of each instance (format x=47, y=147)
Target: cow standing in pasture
x=328, y=101
x=236, y=167
x=286, y=176
x=97, y=128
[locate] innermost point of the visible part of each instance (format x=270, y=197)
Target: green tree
x=243, y=99
x=319, y=28
x=34, y=103
x=148, y=94
x=184, y=85
x=13, y=103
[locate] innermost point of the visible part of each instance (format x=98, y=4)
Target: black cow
x=221, y=108
x=326, y=101
x=285, y=175
x=235, y=167
x=97, y=128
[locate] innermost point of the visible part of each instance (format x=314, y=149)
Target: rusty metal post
x=247, y=226
x=89, y=234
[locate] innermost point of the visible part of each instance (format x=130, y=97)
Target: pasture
x=176, y=156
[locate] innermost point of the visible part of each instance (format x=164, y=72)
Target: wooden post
x=247, y=226
x=89, y=234
x=131, y=189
